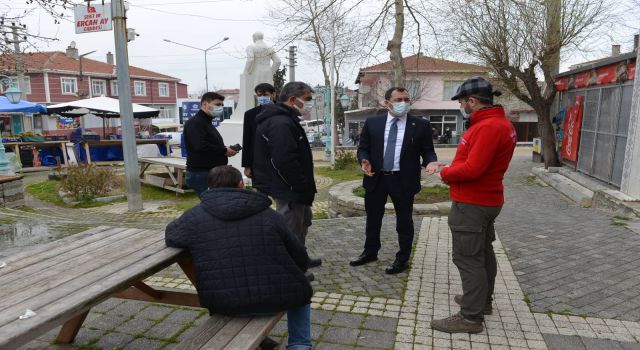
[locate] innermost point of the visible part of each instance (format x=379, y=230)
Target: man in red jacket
x=475, y=186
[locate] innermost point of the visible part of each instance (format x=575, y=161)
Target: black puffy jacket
x=282, y=160
x=246, y=259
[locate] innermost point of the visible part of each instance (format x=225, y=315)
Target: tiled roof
x=423, y=63
x=56, y=60
x=228, y=91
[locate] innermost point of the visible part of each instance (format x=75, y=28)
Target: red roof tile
x=427, y=64
x=56, y=60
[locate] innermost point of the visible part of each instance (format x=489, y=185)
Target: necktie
x=390, y=151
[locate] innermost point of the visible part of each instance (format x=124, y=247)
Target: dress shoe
x=488, y=309
x=363, y=259
x=268, y=344
x=457, y=324
x=396, y=267
x=315, y=262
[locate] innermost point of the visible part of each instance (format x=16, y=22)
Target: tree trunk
x=548, y=137
x=394, y=46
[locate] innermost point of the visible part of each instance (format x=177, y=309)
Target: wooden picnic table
x=173, y=177
x=61, y=281
x=62, y=145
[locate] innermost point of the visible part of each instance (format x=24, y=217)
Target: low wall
x=343, y=203
x=11, y=191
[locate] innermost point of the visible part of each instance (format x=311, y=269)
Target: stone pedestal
x=231, y=131
x=245, y=101
x=11, y=191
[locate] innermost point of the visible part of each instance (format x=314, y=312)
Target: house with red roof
x=431, y=83
x=55, y=77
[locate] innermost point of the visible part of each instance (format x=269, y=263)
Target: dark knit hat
x=476, y=86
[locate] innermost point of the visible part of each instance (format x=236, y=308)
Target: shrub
x=345, y=160
x=86, y=182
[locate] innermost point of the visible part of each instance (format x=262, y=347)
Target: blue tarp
x=20, y=107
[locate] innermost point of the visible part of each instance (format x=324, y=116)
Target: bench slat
x=34, y=265
x=152, y=259
x=203, y=333
x=24, y=258
x=226, y=334
x=72, y=271
x=253, y=333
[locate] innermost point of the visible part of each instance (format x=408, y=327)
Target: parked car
x=174, y=137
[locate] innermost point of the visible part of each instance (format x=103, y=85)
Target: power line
x=201, y=16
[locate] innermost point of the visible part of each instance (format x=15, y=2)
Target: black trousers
x=374, y=201
x=472, y=229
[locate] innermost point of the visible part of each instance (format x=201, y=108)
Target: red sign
x=581, y=80
x=606, y=74
x=632, y=70
x=572, y=124
x=562, y=83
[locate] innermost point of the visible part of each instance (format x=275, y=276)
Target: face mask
x=264, y=100
x=217, y=111
x=400, y=109
x=464, y=113
x=308, y=105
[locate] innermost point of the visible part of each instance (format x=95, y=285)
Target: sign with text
x=92, y=18
x=189, y=109
x=572, y=125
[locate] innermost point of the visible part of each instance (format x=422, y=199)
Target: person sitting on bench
x=247, y=262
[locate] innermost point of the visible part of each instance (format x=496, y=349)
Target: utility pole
x=333, y=94
x=19, y=61
x=292, y=63
x=134, y=196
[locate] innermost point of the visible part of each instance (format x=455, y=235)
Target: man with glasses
x=389, y=152
x=282, y=159
x=205, y=146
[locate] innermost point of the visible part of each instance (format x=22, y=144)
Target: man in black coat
x=282, y=161
x=389, y=152
x=204, y=144
x=265, y=94
x=247, y=261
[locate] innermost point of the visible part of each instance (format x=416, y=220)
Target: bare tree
x=522, y=41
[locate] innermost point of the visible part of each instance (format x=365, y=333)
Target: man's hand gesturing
x=366, y=167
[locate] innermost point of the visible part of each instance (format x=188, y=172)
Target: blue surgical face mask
x=218, y=111
x=400, y=109
x=264, y=100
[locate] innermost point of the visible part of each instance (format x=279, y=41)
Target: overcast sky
x=184, y=21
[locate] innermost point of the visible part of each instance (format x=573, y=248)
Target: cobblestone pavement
x=547, y=245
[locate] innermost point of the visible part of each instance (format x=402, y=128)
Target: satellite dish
x=365, y=89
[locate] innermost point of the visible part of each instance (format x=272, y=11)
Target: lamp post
x=206, y=70
x=13, y=94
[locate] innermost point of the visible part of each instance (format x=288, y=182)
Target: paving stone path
x=547, y=246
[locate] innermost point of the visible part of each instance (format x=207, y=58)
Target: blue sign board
x=189, y=109
x=215, y=122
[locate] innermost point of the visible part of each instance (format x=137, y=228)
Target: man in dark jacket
x=247, y=261
x=265, y=94
x=282, y=161
x=204, y=144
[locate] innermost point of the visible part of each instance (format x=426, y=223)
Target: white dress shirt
x=401, y=123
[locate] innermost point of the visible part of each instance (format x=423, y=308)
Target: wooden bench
x=62, y=280
x=173, y=178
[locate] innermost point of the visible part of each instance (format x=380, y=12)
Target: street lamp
x=13, y=94
x=206, y=70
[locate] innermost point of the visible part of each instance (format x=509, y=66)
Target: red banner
x=581, y=80
x=572, y=124
x=632, y=71
x=606, y=74
x=562, y=83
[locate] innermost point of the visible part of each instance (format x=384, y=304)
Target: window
x=69, y=86
x=140, y=88
x=445, y=128
x=98, y=87
x=114, y=88
x=450, y=88
x=166, y=112
x=163, y=89
x=14, y=80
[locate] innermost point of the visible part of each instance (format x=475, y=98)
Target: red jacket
x=483, y=156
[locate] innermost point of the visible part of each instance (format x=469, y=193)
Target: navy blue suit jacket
x=417, y=143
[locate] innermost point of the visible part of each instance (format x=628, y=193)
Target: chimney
x=110, y=58
x=636, y=38
x=615, y=50
x=72, y=51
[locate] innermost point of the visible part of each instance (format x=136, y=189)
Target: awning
x=162, y=124
x=102, y=106
x=20, y=107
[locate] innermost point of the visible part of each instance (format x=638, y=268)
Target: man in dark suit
x=265, y=94
x=389, y=152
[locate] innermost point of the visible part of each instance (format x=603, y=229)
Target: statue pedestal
x=231, y=131
x=245, y=101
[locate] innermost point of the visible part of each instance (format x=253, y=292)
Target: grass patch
x=320, y=215
x=46, y=191
x=350, y=173
x=427, y=195
x=530, y=179
x=618, y=223
x=618, y=217
x=526, y=299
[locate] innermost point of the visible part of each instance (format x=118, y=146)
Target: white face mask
x=217, y=111
x=464, y=113
x=308, y=105
x=400, y=109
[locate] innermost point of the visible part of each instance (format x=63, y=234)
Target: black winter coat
x=282, y=161
x=204, y=144
x=246, y=259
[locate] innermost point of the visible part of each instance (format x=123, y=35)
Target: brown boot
x=488, y=309
x=457, y=324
